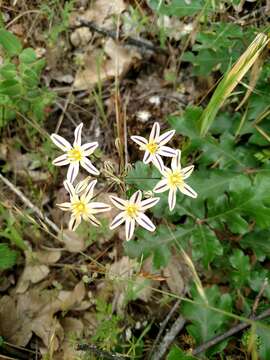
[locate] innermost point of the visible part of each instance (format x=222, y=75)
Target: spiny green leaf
x=240, y=263
x=205, y=245
x=259, y=242
x=206, y=323
x=143, y=176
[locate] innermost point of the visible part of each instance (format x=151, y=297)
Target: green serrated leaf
x=259, y=242
x=10, y=43
x=143, y=176
x=205, y=245
x=240, y=262
x=206, y=323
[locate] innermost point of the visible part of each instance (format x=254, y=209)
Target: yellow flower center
x=132, y=210
x=152, y=147
x=175, y=179
x=75, y=154
x=79, y=207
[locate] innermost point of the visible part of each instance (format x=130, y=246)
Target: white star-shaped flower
x=75, y=155
x=154, y=147
x=174, y=179
x=132, y=211
x=80, y=206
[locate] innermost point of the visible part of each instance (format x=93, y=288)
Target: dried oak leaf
x=101, y=12
x=122, y=271
x=36, y=268
x=174, y=273
x=34, y=312
x=118, y=61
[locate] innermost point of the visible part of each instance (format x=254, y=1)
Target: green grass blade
x=230, y=81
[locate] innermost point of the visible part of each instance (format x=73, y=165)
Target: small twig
x=169, y=338
x=235, y=329
x=128, y=40
x=35, y=209
x=64, y=109
x=101, y=353
x=164, y=324
x=258, y=297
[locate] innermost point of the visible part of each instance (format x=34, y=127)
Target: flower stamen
x=75, y=154
x=79, y=207
x=132, y=210
x=175, y=179
x=152, y=147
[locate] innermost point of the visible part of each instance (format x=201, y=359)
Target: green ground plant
x=223, y=234
x=21, y=92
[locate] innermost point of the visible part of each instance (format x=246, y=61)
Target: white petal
x=94, y=221
x=161, y=186
x=154, y=135
x=78, y=135
x=145, y=222
x=97, y=207
x=176, y=161
x=60, y=142
x=88, y=166
x=187, y=190
x=89, y=148
x=136, y=197
x=73, y=171
x=64, y=206
x=172, y=199
x=147, y=157
x=187, y=171
x=158, y=162
x=117, y=202
x=139, y=140
x=118, y=220
x=61, y=160
x=88, y=193
x=148, y=203
x=130, y=227
x=82, y=185
x=166, y=151
x=74, y=223
x=164, y=138
x=69, y=187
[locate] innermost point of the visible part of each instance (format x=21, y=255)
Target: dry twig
x=128, y=40
x=169, y=338
x=235, y=329
x=163, y=325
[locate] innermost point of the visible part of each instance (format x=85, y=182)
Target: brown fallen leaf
x=101, y=12
x=36, y=268
x=25, y=165
x=121, y=272
x=34, y=312
x=73, y=242
x=174, y=274
x=118, y=61
x=71, y=327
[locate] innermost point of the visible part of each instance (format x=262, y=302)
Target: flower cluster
x=173, y=178
x=132, y=211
